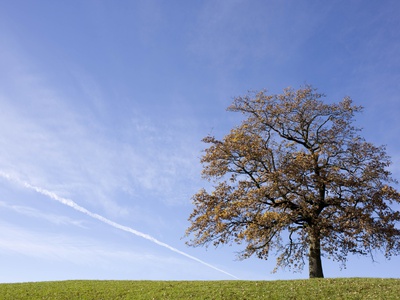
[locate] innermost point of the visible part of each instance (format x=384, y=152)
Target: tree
x=296, y=178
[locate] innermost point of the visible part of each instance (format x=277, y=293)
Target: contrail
x=81, y=209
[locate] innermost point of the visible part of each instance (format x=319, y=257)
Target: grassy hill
x=341, y=288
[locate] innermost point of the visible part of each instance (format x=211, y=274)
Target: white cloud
x=33, y=212
x=56, y=147
x=111, y=260
x=75, y=206
x=77, y=250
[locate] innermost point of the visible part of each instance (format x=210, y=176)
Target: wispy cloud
x=33, y=212
x=72, y=153
x=83, y=210
x=76, y=250
x=77, y=256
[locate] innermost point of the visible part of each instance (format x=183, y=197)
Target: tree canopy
x=296, y=179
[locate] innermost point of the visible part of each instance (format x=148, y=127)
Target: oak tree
x=295, y=179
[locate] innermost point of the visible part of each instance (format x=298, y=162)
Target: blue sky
x=105, y=103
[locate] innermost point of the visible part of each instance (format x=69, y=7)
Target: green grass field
x=343, y=288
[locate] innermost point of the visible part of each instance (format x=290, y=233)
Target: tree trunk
x=314, y=257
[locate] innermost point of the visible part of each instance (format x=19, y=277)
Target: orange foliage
x=296, y=177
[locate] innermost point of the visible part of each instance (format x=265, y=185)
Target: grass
x=340, y=288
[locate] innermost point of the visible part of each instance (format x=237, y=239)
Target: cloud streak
x=83, y=210
x=32, y=212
